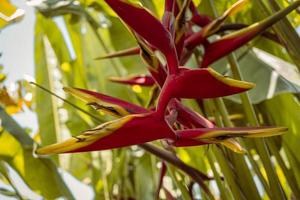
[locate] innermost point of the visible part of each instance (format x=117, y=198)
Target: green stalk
x=182, y=188
x=276, y=189
x=294, y=163
x=223, y=191
x=284, y=29
x=224, y=165
x=287, y=173
x=104, y=177
x=239, y=161
x=275, y=186
x=223, y=111
x=248, y=185
x=228, y=174
x=262, y=179
x=227, y=122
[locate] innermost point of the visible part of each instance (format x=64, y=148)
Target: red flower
x=137, y=125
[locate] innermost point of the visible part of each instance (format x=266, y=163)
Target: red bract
x=157, y=35
x=110, y=105
x=170, y=120
x=126, y=52
x=216, y=135
x=204, y=83
x=126, y=131
x=232, y=41
x=212, y=27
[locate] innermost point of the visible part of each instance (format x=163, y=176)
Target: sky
x=17, y=48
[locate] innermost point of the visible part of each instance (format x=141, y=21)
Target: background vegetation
x=69, y=35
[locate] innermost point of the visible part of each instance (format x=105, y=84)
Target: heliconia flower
x=172, y=121
x=232, y=41
x=108, y=104
x=142, y=80
x=133, y=129
x=125, y=52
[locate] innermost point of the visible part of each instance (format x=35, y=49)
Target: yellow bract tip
x=233, y=145
x=230, y=81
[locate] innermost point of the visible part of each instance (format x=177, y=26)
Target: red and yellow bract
x=175, y=39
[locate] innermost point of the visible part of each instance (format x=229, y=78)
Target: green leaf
x=40, y=174
x=46, y=105
x=284, y=30
x=144, y=174
x=284, y=110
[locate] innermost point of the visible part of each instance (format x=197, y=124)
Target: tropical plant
x=191, y=93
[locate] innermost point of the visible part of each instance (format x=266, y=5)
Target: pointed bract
x=123, y=132
x=157, y=35
x=122, y=53
x=215, y=25
x=205, y=83
x=212, y=27
x=226, y=133
x=110, y=105
x=224, y=136
x=142, y=80
x=231, y=42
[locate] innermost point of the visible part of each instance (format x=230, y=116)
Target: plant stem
x=285, y=31
x=178, y=183
x=196, y=175
x=223, y=191
x=287, y=173
x=224, y=165
x=238, y=161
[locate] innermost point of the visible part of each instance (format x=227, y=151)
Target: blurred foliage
x=9, y=13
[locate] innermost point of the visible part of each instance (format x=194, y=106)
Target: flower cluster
x=176, y=40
